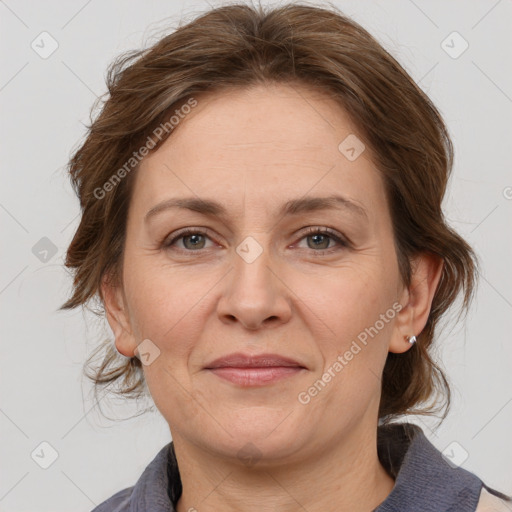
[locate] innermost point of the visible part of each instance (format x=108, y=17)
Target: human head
x=236, y=47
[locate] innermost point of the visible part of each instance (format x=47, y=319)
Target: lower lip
x=255, y=376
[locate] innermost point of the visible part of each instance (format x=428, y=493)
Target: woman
x=261, y=219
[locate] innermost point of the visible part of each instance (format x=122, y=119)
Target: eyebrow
x=291, y=207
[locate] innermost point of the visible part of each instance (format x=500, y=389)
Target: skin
x=252, y=150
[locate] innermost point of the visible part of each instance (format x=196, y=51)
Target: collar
x=424, y=480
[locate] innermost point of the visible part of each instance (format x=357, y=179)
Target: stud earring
x=411, y=339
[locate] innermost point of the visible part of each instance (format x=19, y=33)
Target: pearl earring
x=411, y=339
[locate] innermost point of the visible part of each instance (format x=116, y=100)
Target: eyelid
x=324, y=230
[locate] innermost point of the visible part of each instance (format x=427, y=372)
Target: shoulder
x=119, y=502
x=426, y=479
x=490, y=502
x=150, y=492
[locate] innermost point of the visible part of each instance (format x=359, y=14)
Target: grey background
x=45, y=102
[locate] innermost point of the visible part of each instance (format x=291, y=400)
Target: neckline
x=424, y=479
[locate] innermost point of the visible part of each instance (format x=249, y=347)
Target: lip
x=254, y=370
x=249, y=377
x=240, y=360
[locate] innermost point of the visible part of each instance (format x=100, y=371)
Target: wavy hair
x=238, y=46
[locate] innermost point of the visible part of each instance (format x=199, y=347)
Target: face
x=313, y=284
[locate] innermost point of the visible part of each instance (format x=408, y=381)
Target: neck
x=346, y=473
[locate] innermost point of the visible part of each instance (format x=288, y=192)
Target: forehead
x=267, y=143
x=277, y=120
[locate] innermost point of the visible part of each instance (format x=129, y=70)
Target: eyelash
x=166, y=243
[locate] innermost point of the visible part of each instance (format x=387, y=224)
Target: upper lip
x=240, y=360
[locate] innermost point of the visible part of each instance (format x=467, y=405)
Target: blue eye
x=194, y=236
x=320, y=236
x=194, y=240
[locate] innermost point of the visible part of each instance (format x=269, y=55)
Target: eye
x=193, y=240
x=321, y=239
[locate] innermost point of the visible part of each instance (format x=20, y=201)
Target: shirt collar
x=424, y=479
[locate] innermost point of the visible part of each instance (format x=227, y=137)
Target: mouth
x=254, y=370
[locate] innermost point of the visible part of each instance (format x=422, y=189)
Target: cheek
x=162, y=302
x=165, y=307
x=354, y=317
x=352, y=339
x=346, y=302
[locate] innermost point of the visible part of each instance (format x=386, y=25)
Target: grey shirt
x=424, y=480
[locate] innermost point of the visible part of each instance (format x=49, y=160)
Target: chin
x=262, y=437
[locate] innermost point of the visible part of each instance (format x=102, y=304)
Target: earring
x=411, y=339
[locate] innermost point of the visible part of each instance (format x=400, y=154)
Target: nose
x=255, y=294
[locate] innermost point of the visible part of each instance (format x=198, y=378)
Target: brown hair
x=240, y=46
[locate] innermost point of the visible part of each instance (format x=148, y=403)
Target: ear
x=118, y=317
x=416, y=300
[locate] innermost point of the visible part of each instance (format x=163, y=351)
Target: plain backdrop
x=45, y=101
